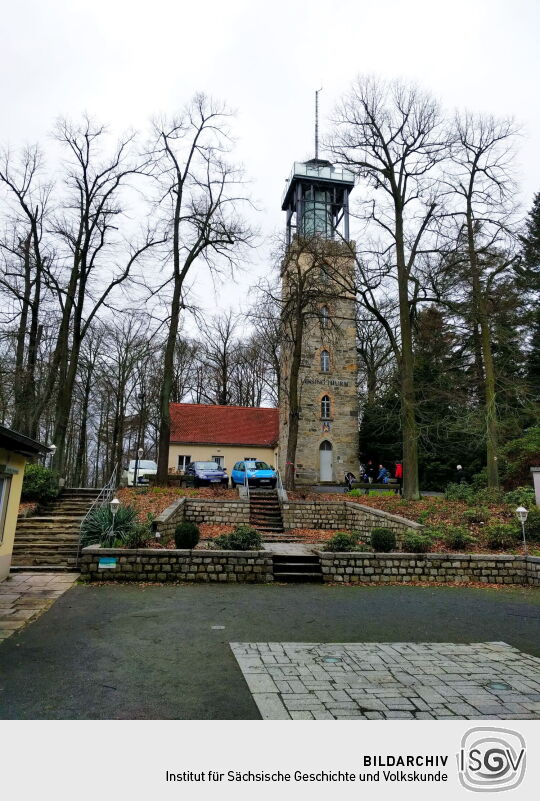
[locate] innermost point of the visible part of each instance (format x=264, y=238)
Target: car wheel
x=196, y=483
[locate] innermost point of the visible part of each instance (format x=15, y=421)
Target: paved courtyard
x=25, y=596
x=164, y=652
x=375, y=681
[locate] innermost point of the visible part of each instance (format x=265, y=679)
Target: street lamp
x=52, y=451
x=114, y=506
x=139, y=457
x=522, y=514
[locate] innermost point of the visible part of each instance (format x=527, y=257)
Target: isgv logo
x=491, y=760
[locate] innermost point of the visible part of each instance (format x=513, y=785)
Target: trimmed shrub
x=488, y=495
x=243, y=538
x=502, y=535
x=186, y=535
x=138, y=536
x=414, y=542
x=98, y=529
x=521, y=496
x=457, y=538
x=459, y=492
x=342, y=541
x=383, y=540
x=478, y=514
x=39, y=484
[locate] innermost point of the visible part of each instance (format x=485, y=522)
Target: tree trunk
x=294, y=409
x=167, y=384
x=482, y=318
x=408, y=401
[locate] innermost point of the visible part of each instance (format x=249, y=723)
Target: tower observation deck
x=316, y=200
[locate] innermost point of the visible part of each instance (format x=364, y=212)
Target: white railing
x=104, y=497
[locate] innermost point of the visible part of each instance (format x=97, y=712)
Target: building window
x=219, y=459
x=5, y=483
x=325, y=361
x=325, y=407
x=325, y=317
x=183, y=462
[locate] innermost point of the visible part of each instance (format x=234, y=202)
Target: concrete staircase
x=49, y=540
x=265, y=515
x=296, y=568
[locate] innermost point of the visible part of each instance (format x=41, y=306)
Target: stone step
x=299, y=577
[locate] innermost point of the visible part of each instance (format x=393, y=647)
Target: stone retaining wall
x=450, y=568
x=343, y=515
x=200, y=510
x=150, y=564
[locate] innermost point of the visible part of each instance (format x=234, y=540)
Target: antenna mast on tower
x=317, y=122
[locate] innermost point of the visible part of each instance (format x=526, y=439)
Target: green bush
x=383, y=540
x=186, y=535
x=518, y=456
x=97, y=528
x=457, y=538
x=502, y=535
x=342, y=541
x=138, y=536
x=532, y=526
x=478, y=514
x=459, y=492
x=39, y=484
x=521, y=496
x=243, y=538
x=414, y=542
x=356, y=493
x=488, y=495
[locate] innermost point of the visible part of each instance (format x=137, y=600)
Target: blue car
x=207, y=473
x=259, y=474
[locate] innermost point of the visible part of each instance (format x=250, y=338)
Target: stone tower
x=320, y=259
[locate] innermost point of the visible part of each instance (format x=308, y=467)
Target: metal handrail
x=103, y=498
x=282, y=492
x=246, y=480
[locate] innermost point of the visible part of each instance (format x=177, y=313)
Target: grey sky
x=124, y=61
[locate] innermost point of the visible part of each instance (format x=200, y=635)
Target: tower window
x=325, y=317
x=325, y=407
x=325, y=361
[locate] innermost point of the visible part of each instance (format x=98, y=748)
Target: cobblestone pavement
x=25, y=596
x=373, y=681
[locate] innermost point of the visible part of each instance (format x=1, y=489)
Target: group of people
x=371, y=474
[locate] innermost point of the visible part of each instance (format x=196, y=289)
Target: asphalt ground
x=150, y=652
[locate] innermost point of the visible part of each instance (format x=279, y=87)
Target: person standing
x=370, y=471
x=399, y=476
x=384, y=474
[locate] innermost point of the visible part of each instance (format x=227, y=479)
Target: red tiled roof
x=224, y=425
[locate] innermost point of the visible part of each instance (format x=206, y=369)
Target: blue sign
x=107, y=562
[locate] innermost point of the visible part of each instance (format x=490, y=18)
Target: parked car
x=145, y=468
x=207, y=473
x=259, y=474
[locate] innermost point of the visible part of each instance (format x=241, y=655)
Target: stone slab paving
x=25, y=596
x=374, y=681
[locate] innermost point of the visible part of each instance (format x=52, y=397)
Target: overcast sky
x=124, y=61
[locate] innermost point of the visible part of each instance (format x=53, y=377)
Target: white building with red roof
x=224, y=434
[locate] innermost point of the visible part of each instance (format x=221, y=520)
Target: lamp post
x=522, y=514
x=114, y=505
x=52, y=451
x=137, y=460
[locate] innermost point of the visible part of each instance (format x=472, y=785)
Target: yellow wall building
x=226, y=434
x=15, y=451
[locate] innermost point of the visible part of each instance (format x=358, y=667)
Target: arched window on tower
x=325, y=361
x=325, y=317
x=325, y=407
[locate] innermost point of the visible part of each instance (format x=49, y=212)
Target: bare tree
x=481, y=180
x=200, y=193
x=392, y=136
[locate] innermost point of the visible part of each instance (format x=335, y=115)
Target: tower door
x=325, y=461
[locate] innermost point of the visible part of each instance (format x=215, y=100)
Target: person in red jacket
x=399, y=475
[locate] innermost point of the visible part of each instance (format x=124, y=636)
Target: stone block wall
x=146, y=564
x=380, y=568
x=345, y=515
x=200, y=510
